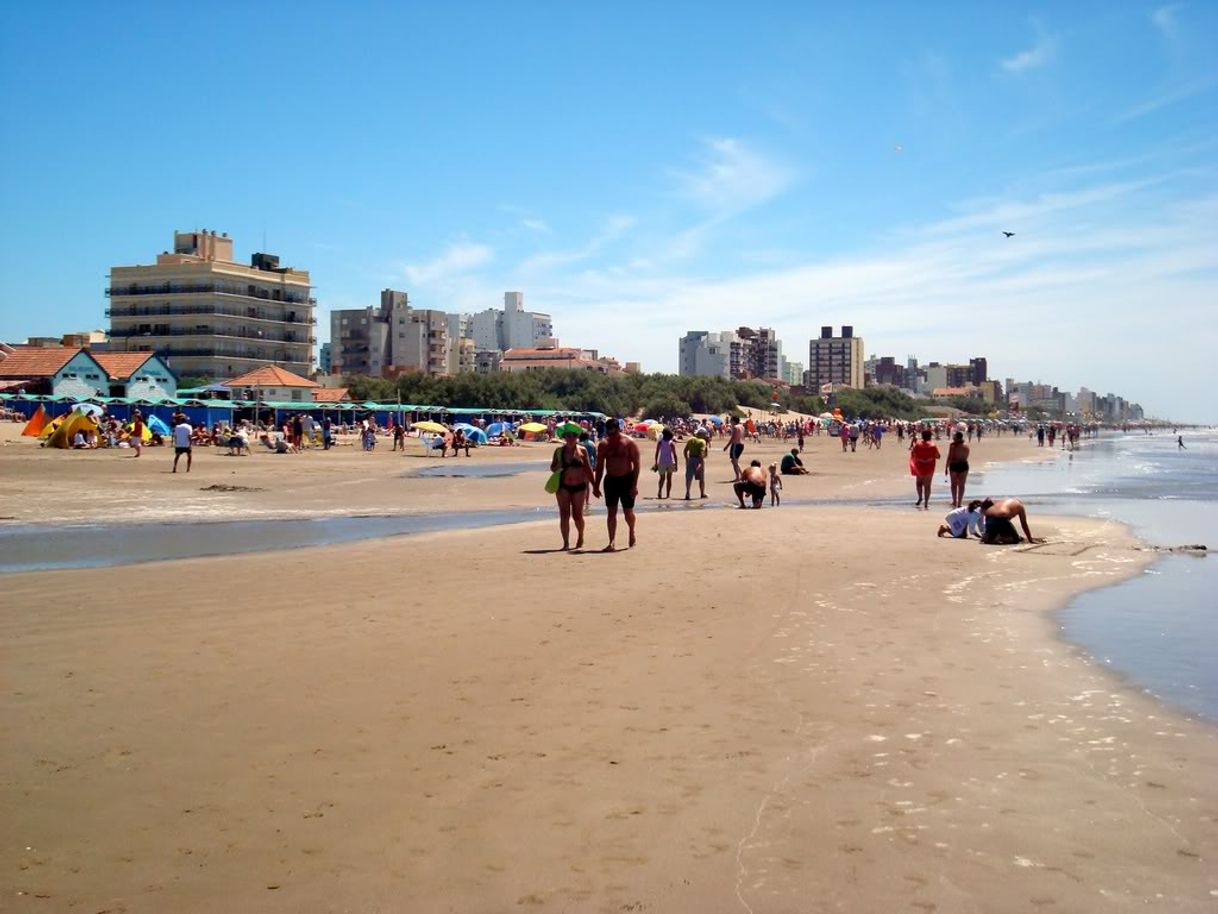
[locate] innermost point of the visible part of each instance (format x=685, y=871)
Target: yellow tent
x=36, y=424
x=76, y=422
x=51, y=427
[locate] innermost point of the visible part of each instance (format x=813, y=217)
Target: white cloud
x=1164, y=19
x=1165, y=99
x=458, y=258
x=536, y=225
x=613, y=229
x=1033, y=58
x=1070, y=299
x=732, y=177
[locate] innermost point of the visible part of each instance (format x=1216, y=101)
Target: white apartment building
x=209, y=316
x=511, y=328
x=706, y=354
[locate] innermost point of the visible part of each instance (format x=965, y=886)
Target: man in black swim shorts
x=752, y=483
x=617, y=465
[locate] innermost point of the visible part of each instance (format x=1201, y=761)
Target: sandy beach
x=814, y=708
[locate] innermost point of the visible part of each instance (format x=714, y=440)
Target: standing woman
x=922, y=459
x=957, y=468
x=665, y=462
x=571, y=462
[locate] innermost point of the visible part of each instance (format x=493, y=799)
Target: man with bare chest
x=617, y=464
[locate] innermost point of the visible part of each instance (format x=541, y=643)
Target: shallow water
x=457, y=470
x=1159, y=629
x=41, y=547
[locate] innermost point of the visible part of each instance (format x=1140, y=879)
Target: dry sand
x=802, y=709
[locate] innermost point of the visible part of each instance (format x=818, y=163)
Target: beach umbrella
x=716, y=420
x=476, y=435
x=534, y=427
x=428, y=426
x=641, y=428
x=655, y=431
x=89, y=409
x=498, y=428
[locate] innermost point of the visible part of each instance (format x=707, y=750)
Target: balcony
x=223, y=332
x=182, y=288
x=258, y=314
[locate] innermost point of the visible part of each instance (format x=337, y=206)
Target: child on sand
x=775, y=486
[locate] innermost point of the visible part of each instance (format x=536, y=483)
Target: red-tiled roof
x=330, y=394
x=523, y=352
x=121, y=365
x=29, y=362
x=270, y=376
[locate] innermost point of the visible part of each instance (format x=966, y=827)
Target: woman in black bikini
x=957, y=468
x=572, y=460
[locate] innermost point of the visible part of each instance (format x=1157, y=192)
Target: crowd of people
x=589, y=463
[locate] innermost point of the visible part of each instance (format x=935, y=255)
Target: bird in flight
x=1009, y=234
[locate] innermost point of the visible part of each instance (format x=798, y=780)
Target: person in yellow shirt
x=695, y=464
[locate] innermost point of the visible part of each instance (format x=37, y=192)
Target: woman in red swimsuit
x=922, y=459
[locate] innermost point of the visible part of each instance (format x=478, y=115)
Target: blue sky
x=639, y=170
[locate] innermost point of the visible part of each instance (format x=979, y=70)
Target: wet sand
x=799, y=709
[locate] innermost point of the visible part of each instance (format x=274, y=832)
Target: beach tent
x=53, y=426
x=498, y=428
x=77, y=421
x=156, y=424
x=474, y=434
x=36, y=424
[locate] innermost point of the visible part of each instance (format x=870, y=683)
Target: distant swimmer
x=1009, y=234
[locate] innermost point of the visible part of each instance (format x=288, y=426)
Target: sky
x=639, y=170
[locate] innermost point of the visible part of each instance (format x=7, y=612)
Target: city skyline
x=637, y=173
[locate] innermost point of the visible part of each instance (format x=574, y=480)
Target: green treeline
x=647, y=395
x=578, y=391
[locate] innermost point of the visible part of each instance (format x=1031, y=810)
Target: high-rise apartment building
x=706, y=354
x=511, y=328
x=209, y=316
x=835, y=359
x=739, y=354
x=391, y=339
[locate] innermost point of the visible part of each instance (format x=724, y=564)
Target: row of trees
x=648, y=395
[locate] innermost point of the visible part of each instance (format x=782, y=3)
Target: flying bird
x=1009, y=234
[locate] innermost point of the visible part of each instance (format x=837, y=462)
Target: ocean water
x=1158, y=630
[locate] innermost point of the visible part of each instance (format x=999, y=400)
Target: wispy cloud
x=1166, y=99
x=1085, y=265
x=1164, y=19
x=458, y=258
x=613, y=229
x=1040, y=54
x=731, y=177
x=536, y=225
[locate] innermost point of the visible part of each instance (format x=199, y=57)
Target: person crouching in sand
x=961, y=522
x=752, y=483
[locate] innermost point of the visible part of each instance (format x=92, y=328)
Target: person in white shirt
x=962, y=522
x=181, y=442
